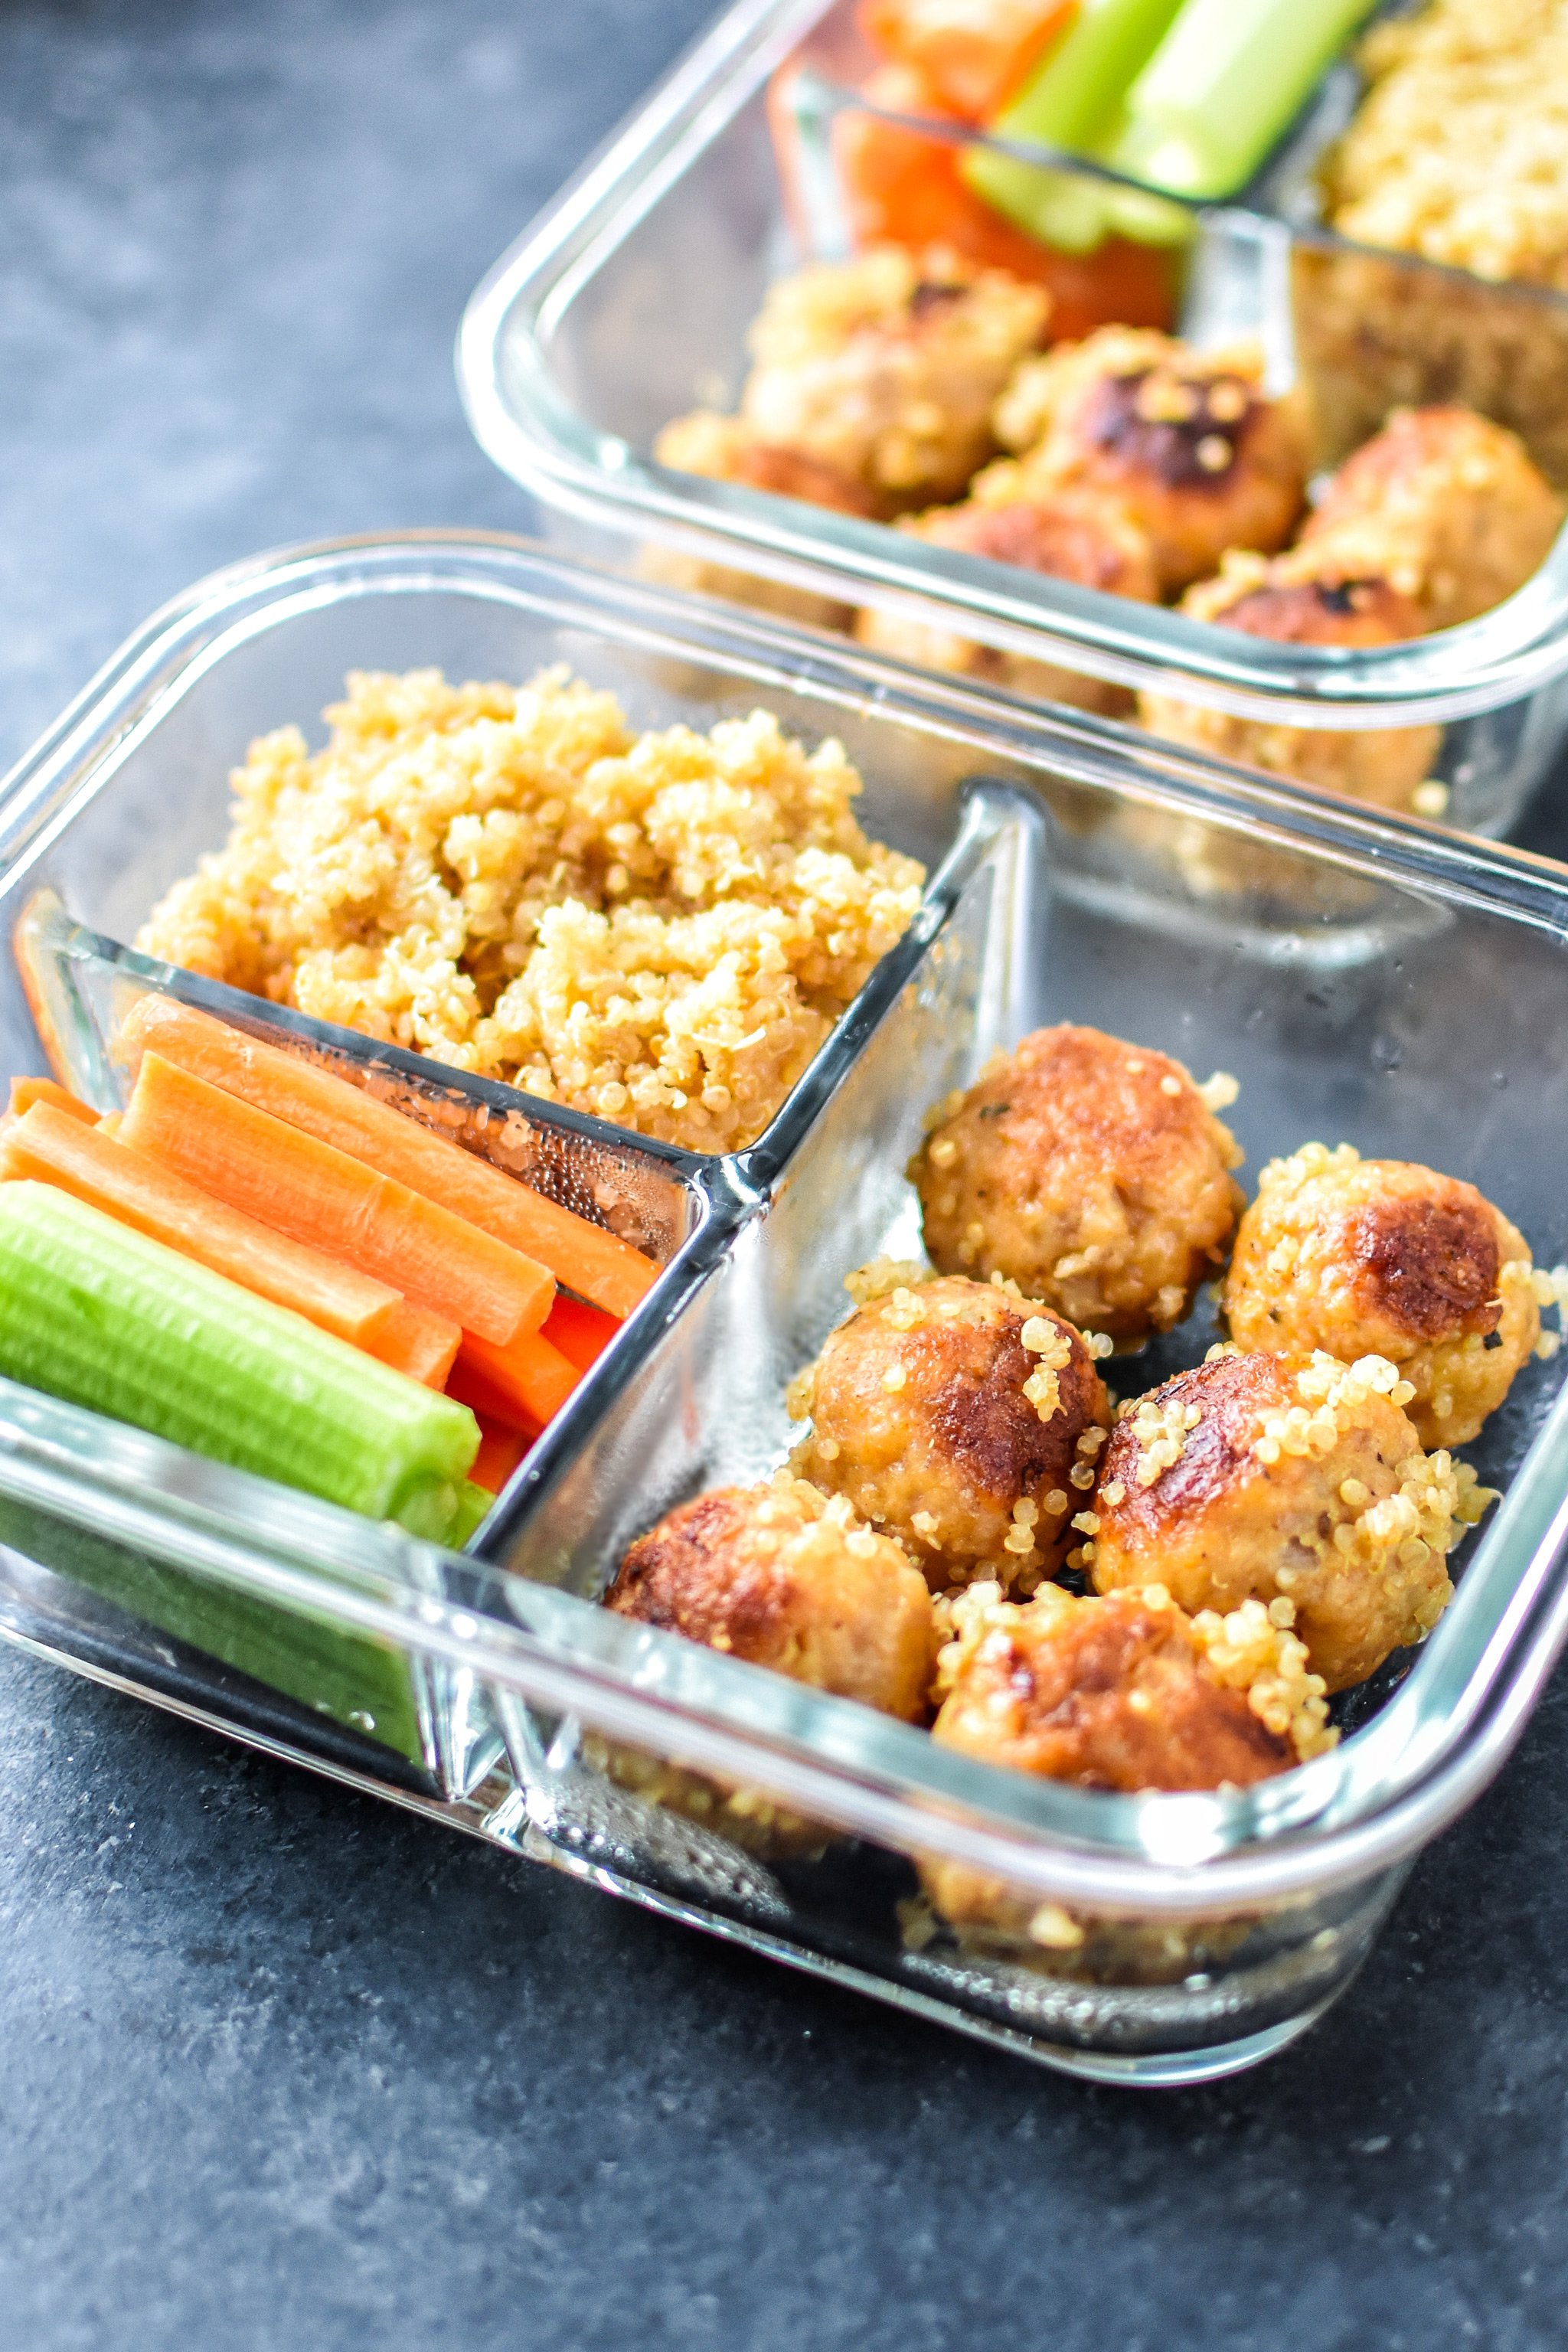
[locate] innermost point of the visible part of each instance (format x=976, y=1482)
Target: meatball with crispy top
x=885, y=368
x=962, y=1419
x=1189, y=442
x=1385, y=1258
x=1252, y=1477
x=1443, y=504
x=1090, y=1173
x=1305, y=598
x=1127, y=1692
x=1082, y=538
x=785, y=1577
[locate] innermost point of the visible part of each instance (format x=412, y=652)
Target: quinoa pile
x=1459, y=152
x=660, y=929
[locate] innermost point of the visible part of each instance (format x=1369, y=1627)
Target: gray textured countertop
x=280, y=2067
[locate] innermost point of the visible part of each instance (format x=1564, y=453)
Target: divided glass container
x=627, y=303
x=1384, y=983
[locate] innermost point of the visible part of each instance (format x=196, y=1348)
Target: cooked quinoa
x=660, y=929
x=1459, y=152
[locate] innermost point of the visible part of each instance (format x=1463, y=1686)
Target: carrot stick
x=25, y=1092
x=973, y=58
x=54, y=1144
x=424, y=1346
x=500, y=1451
x=593, y=1262
x=581, y=1333
x=303, y=1187
x=483, y=1398
x=528, y=1378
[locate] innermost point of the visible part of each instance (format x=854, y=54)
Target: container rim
x=532, y=432
x=1327, y=1823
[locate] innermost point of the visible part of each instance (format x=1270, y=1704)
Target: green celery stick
x=1223, y=86
x=352, y=1679
x=1071, y=100
x=474, y=1504
x=100, y=1315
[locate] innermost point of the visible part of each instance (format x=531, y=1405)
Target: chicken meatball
x=1188, y=441
x=1126, y=1693
x=785, y=1577
x=1445, y=506
x=1087, y=540
x=962, y=1419
x=1090, y=1173
x=782, y=1576
x=1383, y=1258
x=884, y=369
x=1252, y=1477
x=725, y=450
x=1303, y=599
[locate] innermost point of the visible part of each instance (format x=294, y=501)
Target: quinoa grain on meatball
x=1090, y=1173
x=885, y=368
x=962, y=1419
x=1362, y=1257
x=1305, y=598
x=1084, y=539
x=785, y=1577
x=1252, y=1477
x=1127, y=1692
x=1189, y=442
x=1443, y=504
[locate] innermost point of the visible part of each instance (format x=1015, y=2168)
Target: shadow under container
x=1409, y=992
x=626, y=304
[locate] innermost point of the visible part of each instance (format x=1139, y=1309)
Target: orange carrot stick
x=25, y=1092
x=55, y=1146
x=530, y=1377
x=303, y=1187
x=581, y=1333
x=424, y=1346
x=608, y=1270
x=500, y=1451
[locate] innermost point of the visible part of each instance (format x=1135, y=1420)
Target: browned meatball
x=1188, y=441
x=1125, y=1693
x=725, y=450
x=784, y=1577
x=1089, y=1172
x=1301, y=599
x=885, y=368
x=1445, y=505
x=1363, y=1258
x=962, y=1419
x=1083, y=537
x=1253, y=1477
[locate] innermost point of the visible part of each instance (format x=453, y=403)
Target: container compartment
x=1391, y=986
x=627, y=305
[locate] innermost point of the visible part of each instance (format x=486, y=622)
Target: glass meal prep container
x=1392, y=983
x=627, y=305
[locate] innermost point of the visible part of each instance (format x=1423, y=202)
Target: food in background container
x=1071, y=534
x=1189, y=443
x=883, y=371
x=1459, y=149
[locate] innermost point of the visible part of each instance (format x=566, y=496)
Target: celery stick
x=353, y=1679
x=101, y=1316
x=1223, y=86
x=1071, y=100
x=474, y=1504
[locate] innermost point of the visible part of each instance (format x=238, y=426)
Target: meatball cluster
x=962, y=1419
x=1090, y=1173
x=1254, y=1534
x=1383, y=1258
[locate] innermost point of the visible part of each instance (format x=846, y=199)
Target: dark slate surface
x=280, y=2067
